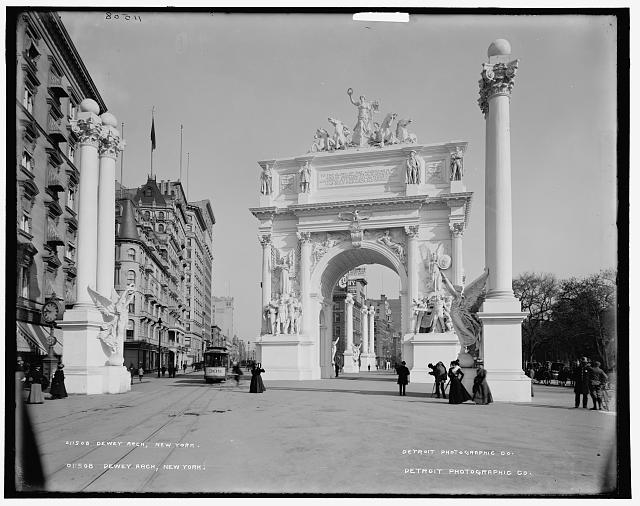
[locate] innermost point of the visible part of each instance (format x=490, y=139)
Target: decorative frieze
x=348, y=177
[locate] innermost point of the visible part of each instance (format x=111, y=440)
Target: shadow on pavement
x=350, y=391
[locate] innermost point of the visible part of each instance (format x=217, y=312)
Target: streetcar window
x=215, y=360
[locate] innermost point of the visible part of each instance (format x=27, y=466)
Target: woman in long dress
x=38, y=382
x=481, y=391
x=58, y=390
x=256, y=386
x=457, y=392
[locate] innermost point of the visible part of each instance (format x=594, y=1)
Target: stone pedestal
x=287, y=357
x=430, y=348
x=457, y=187
x=349, y=365
x=266, y=200
x=116, y=379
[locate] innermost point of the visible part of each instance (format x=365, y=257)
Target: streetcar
x=216, y=364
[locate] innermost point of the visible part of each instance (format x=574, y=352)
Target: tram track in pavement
x=192, y=408
x=46, y=425
x=126, y=431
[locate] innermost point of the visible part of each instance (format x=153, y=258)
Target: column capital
x=412, y=231
x=304, y=237
x=265, y=239
x=456, y=228
x=88, y=127
x=349, y=300
x=496, y=79
x=110, y=142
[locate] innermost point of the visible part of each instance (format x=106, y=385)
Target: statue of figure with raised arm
x=266, y=184
x=363, y=130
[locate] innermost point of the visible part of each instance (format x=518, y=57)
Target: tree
x=537, y=294
x=585, y=315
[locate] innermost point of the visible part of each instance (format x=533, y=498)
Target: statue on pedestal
x=271, y=314
x=334, y=347
x=456, y=166
x=115, y=315
x=305, y=177
x=414, y=168
x=266, y=184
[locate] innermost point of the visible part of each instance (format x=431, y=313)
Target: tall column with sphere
x=110, y=144
x=501, y=314
x=88, y=128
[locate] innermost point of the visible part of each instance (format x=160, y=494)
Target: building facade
x=153, y=252
x=353, y=282
x=51, y=81
x=387, y=330
x=223, y=316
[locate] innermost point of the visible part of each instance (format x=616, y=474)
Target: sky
x=249, y=87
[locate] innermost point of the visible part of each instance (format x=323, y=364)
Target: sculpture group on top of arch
x=366, y=131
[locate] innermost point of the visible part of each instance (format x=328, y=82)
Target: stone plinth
x=287, y=357
x=349, y=365
x=457, y=187
x=431, y=348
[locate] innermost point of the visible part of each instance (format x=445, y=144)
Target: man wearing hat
x=597, y=382
x=581, y=382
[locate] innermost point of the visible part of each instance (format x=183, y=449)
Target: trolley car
x=216, y=364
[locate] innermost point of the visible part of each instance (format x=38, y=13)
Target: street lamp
x=159, y=344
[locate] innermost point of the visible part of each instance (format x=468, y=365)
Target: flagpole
x=152, y=137
x=187, y=192
x=180, y=153
x=121, y=164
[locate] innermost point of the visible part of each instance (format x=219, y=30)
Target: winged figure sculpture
x=115, y=312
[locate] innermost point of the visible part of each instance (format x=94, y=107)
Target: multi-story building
x=167, y=257
x=200, y=221
x=223, y=315
x=387, y=326
x=51, y=81
x=353, y=282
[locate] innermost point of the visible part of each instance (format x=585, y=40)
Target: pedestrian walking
x=184, y=367
x=256, y=386
x=581, y=383
x=481, y=390
x=368, y=367
x=597, y=381
x=58, y=390
x=132, y=371
x=140, y=373
x=337, y=367
x=20, y=370
x=237, y=372
x=38, y=384
x=457, y=392
x=403, y=378
x=164, y=370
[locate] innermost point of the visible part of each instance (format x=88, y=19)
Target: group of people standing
x=590, y=379
x=37, y=382
x=457, y=392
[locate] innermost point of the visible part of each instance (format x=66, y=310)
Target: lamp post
x=159, y=345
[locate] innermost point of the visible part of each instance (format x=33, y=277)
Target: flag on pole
x=153, y=134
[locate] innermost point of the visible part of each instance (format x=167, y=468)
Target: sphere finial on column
x=109, y=119
x=89, y=105
x=499, y=47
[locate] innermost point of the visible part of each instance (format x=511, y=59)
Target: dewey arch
x=323, y=213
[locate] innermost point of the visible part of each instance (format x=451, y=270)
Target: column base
x=349, y=365
x=96, y=380
x=287, y=357
x=430, y=348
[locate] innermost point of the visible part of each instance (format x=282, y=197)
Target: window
x=161, y=215
x=146, y=216
x=130, y=329
x=25, y=222
x=24, y=282
x=131, y=254
x=131, y=277
x=27, y=100
x=132, y=305
x=27, y=161
x=116, y=276
x=336, y=317
x=71, y=197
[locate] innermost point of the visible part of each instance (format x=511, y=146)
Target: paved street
x=353, y=434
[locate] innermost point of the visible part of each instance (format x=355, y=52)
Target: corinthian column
x=457, y=230
x=364, y=311
x=501, y=315
x=88, y=127
x=372, y=349
x=265, y=241
x=349, y=366
x=305, y=273
x=495, y=92
x=110, y=144
x=412, y=271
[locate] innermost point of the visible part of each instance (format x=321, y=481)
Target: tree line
x=568, y=318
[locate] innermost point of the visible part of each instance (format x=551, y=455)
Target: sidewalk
x=352, y=434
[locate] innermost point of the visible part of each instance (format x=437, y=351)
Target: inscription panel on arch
x=357, y=176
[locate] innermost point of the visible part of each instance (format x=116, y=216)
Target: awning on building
x=35, y=338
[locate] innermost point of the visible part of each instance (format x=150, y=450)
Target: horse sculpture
x=323, y=141
x=340, y=134
x=402, y=134
x=385, y=133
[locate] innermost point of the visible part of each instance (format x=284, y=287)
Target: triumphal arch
x=375, y=194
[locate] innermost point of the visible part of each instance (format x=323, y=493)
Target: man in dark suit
x=597, y=382
x=403, y=377
x=581, y=382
